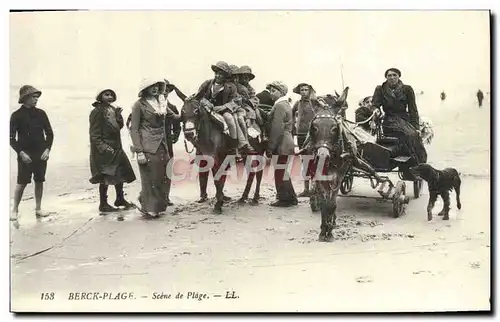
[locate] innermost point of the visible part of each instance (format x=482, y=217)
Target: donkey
x=332, y=160
x=210, y=141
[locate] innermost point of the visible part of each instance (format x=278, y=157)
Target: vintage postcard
x=250, y=161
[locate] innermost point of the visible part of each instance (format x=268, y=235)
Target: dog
x=440, y=182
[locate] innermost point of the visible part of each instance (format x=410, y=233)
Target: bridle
x=339, y=144
x=190, y=129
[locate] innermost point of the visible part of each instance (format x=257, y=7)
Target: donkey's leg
x=203, y=182
x=248, y=185
x=324, y=219
x=256, y=195
x=456, y=185
x=246, y=192
x=323, y=206
x=219, y=186
x=331, y=218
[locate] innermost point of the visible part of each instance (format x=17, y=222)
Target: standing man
x=281, y=144
x=303, y=112
x=31, y=137
x=172, y=132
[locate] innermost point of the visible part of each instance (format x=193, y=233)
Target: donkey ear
x=343, y=97
x=336, y=94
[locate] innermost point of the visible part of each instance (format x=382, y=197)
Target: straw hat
x=98, y=97
x=147, y=82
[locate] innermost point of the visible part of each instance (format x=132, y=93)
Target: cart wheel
x=417, y=188
x=346, y=184
x=399, y=200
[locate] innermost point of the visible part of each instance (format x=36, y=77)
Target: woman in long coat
x=147, y=131
x=109, y=164
x=401, y=114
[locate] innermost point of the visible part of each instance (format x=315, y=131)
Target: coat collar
x=148, y=106
x=109, y=117
x=281, y=99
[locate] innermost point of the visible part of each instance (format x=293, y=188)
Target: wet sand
x=269, y=257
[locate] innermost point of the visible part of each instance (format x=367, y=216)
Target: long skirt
x=411, y=144
x=283, y=182
x=153, y=181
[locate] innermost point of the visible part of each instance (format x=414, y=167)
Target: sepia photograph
x=250, y=161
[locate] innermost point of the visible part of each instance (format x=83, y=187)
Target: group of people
x=155, y=124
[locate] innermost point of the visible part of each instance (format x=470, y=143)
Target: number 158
x=47, y=296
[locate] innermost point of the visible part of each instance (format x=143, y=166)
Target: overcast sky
x=434, y=50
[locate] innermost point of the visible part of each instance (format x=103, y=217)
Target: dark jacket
x=33, y=130
x=226, y=95
x=303, y=112
x=265, y=98
x=405, y=107
x=147, y=128
x=280, y=129
x=104, y=130
x=362, y=114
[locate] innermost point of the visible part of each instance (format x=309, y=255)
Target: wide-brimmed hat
x=234, y=69
x=296, y=89
x=147, y=82
x=99, y=95
x=27, y=90
x=245, y=70
x=222, y=66
x=279, y=86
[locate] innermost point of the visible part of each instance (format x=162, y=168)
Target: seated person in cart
x=401, y=118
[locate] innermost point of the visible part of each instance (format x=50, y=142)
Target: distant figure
x=443, y=95
x=480, y=97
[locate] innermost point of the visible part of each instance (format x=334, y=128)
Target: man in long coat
x=281, y=144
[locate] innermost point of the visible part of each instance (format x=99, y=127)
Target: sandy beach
x=269, y=257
